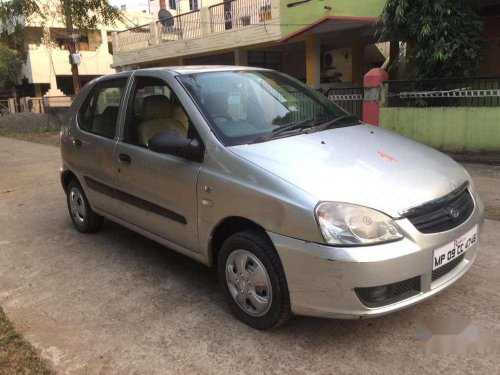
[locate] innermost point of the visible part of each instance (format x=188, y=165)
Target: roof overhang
x=331, y=24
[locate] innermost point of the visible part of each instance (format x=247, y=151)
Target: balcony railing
x=233, y=14
x=239, y=13
x=182, y=26
x=134, y=39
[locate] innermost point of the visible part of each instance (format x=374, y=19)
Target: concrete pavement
x=115, y=302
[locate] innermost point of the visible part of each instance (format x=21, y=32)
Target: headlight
x=349, y=224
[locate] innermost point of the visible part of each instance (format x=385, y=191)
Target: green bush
x=444, y=37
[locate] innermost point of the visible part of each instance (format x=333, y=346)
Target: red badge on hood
x=385, y=155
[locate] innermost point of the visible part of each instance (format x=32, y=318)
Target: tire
x=84, y=219
x=255, y=253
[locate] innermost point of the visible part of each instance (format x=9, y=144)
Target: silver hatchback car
x=299, y=206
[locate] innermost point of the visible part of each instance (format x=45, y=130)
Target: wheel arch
x=66, y=177
x=224, y=229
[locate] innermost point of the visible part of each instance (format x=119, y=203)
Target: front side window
x=154, y=109
x=99, y=112
x=245, y=106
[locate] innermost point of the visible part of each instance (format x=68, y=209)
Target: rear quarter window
x=84, y=113
x=98, y=113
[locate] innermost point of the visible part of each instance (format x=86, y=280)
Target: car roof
x=189, y=69
x=179, y=70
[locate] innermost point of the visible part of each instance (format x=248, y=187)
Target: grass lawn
x=17, y=356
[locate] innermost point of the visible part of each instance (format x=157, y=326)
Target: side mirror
x=172, y=143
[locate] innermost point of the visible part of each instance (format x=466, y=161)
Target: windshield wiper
x=309, y=123
x=282, y=129
x=334, y=121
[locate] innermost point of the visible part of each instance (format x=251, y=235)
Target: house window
x=61, y=43
x=83, y=43
x=193, y=4
x=172, y=4
x=109, y=39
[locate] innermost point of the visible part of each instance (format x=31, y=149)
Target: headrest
x=156, y=107
x=216, y=103
x=179, y=115
x=110, y=113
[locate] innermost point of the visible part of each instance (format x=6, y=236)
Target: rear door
x=93, y=141
x=157, y=191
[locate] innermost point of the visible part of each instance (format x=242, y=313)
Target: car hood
x=361, y=164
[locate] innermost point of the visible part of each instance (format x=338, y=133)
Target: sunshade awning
x=331, y=24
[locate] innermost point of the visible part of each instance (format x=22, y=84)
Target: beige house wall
x=183, y=5
x=213, y=43
x=204, y=33
x=44, y=63
x=56, y=20
x=148, y=48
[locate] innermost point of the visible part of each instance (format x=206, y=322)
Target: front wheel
x=253, y=280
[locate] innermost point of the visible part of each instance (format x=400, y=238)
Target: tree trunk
x=71, y=47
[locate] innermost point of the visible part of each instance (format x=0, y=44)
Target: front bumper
x=322, y=279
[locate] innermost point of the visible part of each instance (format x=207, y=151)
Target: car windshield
x=251, y=106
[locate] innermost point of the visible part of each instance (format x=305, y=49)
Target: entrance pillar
x=313, y=61
x=240, y=57
x=373, y=81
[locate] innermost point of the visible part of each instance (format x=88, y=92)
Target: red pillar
x=371, y=104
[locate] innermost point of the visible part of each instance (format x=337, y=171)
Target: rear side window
x=99, y=112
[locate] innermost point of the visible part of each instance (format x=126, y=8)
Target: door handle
x=124, y=159
x=76, y=142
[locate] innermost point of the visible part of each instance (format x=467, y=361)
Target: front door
x=157, y=192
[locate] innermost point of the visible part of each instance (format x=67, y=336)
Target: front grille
x=446, y=269
x=394, y=292
x=443, y=214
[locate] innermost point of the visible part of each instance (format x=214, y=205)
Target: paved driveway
x=115, y=302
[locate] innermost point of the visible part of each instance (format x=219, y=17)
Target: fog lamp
x=379, y=293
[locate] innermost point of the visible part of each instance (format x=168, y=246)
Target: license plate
x=454, y=249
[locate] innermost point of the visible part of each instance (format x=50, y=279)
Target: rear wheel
x=84, y=219
x=253, y=280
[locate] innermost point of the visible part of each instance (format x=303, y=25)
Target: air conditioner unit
x=327, y=60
